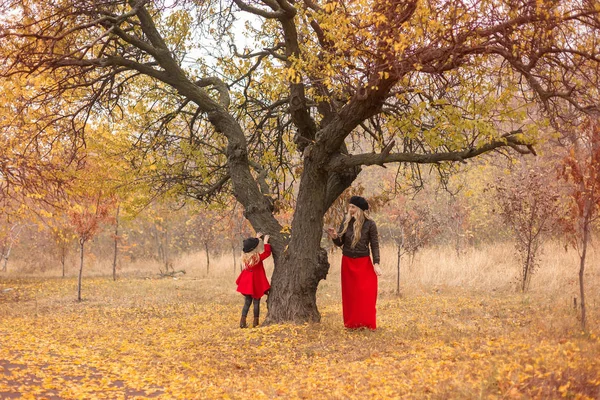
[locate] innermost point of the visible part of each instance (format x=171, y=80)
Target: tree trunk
x=166, y=251
x=81, y=245
x=5, y=254
x=5, y=266
x=233, y=252
x=582, y=256
x=207, y=258
x=159, y=247
x=459, y=232
x=300, y=268
x=116, y=249
x=63, y=256
x=526, y=268
x=398, y=269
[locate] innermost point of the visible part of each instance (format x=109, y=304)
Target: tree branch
x=257, y=11
x=220, y=86
x=341, y=162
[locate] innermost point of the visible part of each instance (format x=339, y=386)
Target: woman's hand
x=332, y=233
x=377, y=269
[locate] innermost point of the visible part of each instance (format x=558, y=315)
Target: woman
x=359, y=274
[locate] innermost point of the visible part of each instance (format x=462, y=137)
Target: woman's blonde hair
x=251, y=258
x=359, y=220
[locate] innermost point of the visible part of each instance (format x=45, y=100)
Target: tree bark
x=304, y=263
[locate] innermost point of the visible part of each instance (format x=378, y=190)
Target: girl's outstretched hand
x=266, y=239
x=332, y=233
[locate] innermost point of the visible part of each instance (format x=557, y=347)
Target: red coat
x=253, y=280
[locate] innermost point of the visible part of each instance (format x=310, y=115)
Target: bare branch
x=341, y=162
x=278, y=13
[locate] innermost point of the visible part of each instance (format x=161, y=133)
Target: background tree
x=203, y=228
x=458, y=222
x=9, y=235
x=62, y=234
x=426, y=82
x=87, y=216
x=581, y=168
x=528, y=203
x=411, y=225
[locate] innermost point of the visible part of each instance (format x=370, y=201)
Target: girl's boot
x=243, y=323
x=255, y=322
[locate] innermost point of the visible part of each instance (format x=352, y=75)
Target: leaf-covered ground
x=179, y=339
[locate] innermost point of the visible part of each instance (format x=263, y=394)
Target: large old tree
x=295, y=103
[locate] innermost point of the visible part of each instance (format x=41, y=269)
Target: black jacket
x=368, y=235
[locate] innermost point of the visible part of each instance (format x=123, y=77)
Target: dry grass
x=458, y=330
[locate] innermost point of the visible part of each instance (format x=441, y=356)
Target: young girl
x=252, y=282
x=359, y=274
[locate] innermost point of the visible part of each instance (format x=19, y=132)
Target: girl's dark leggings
x=249, y=300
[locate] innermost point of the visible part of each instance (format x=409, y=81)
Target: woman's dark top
x=368, y=236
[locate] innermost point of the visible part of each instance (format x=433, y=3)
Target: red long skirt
x=359, y=292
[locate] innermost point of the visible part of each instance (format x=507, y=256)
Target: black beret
x=250, y=244
x=359, y=202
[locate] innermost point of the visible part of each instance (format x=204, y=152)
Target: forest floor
x=143, y=337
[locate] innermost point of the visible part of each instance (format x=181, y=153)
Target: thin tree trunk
x=166, y=250
x=116, y=249
x=7, y=247
x=233, y=252
x=526, y=267
x=63, y=256
x=586, y=231
x=5, y=266
x=207, y=258
x=159, y=246
x=398, y=270
x=81, y=246
x=457, y=245
x=457, y=230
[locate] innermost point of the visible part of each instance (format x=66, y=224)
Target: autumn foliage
x=581, y=168
x=179, y=339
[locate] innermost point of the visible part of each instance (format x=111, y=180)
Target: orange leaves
x=581, y=166
x=87, y=216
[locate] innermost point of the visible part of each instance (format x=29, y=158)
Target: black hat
x=250, y=244
x=359, y=202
